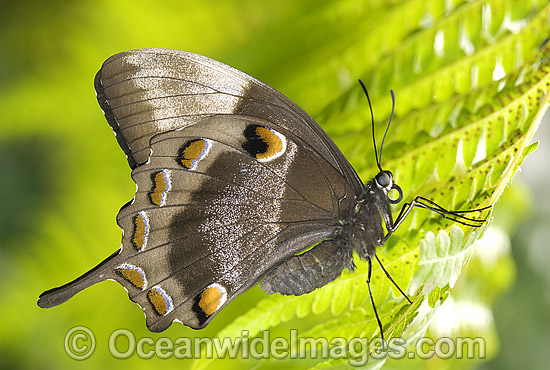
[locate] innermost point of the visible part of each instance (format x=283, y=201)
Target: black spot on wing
x=254, y=144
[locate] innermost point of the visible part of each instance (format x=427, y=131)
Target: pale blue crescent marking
x=167, y=299
x=127, y=266
x=204, y=153
x=168, y=183
x=145, y=237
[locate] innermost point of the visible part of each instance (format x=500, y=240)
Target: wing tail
x=56, y=296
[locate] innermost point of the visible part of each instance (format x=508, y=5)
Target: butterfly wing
x=233, y=179
x=250, y=196
x=218, y=204
x=147, y=91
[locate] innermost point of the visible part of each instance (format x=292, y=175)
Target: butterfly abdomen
x=303, y=273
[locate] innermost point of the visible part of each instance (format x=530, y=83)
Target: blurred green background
x=64, y=177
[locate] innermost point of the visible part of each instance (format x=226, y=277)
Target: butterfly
x=235, y=185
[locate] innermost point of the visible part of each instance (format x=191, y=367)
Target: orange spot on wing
x=274, y=143
x=161, y=187
x=141, y=231
x=192, y=152
x=134, y=275
x=212, y=298
x=160, y=301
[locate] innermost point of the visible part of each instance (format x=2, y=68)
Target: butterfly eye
x=383, y=179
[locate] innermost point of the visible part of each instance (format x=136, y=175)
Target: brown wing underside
x=218, y=205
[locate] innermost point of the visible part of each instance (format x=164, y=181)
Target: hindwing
x=218, y=205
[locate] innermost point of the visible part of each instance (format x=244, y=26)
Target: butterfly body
x=365, y=232
x=235, y=185
x=362, y=231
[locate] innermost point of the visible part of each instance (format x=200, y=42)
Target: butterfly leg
x=372, y=301
x=425, y=203
x=393, y=282
x=303, y=273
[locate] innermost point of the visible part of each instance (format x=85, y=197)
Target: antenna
x=372, y=120
x=387, y=127
x=378, y=158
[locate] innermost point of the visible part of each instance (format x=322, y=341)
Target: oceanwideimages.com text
x=80, y=344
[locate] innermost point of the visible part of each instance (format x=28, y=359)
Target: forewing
x=147, y=91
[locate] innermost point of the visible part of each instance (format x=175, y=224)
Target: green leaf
x=442, y=258
x=458, y=137
x=471, y=81
x=528, y=150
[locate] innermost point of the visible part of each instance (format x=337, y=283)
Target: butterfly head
x=384, y=178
